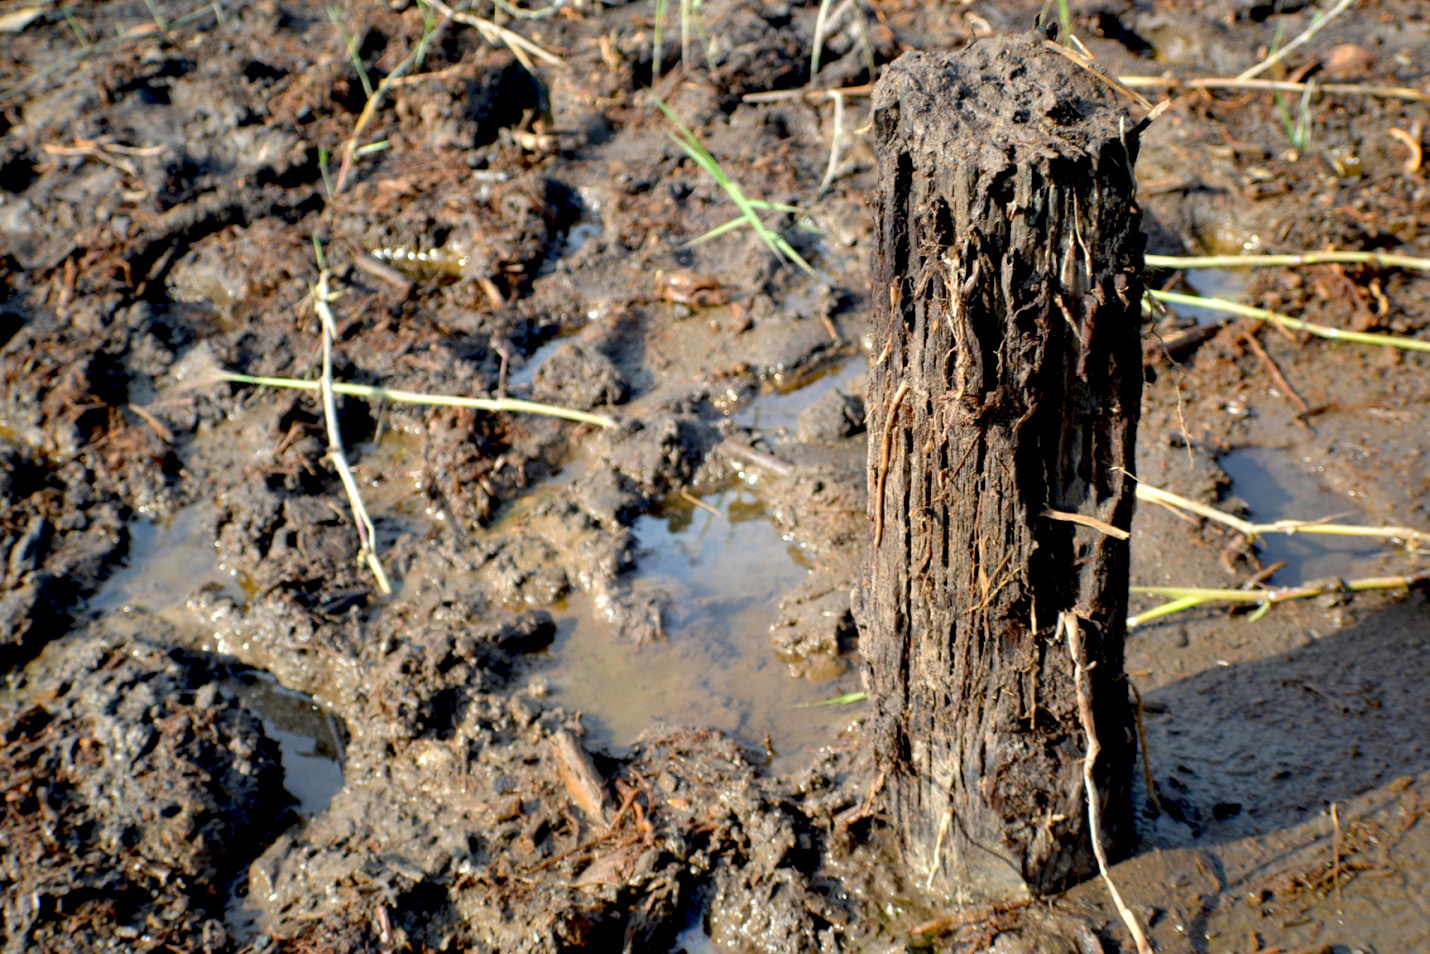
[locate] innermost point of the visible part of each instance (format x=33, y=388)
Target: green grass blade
x=698, y=154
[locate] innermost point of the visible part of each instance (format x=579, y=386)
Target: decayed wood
x=1003, y=408
x=578, y=773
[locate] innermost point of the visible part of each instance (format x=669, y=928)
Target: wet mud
x=583, y=718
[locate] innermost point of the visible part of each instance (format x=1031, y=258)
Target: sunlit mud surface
x=582, y=718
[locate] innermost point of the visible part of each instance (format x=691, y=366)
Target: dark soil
x=528, y=228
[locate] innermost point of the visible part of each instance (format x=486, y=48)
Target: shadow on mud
x=1244, y=750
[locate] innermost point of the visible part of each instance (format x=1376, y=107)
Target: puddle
x=723, y=574
x=167, y=563
x=694, y=939
x=309, y=739
x=523, y=376
x=1227, y=283
x=1277, y=486
x=778, y=408
x=310, y=746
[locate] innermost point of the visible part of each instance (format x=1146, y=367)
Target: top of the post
x=1015, y=94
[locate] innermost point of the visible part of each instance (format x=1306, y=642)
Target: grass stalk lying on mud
x=367, y=533
x=523, y=49
x=1187, y=597
x=374, y=392
x=748, y=208
x=1253, y=530
x=1406, y=93
x=1292, y=260
x=1286, y=321
x=1277, y=55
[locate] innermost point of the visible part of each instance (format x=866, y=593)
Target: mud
x=573, y=723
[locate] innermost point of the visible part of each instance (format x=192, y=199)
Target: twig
x=1085, y=61
x=521, y=48
x=1282, y=594
x=1291, y=393
x=375, y=393
x=1410, y=139
x=578, y=773
x=1146, y=753
x=367, y=533
x=1408, y=93
x=810, y=95
x=749, y=455
x=833, y=163
x=1286, y=321
x=1317, y=22
x=1069, y=623
x=1382, y=259
x=1083, y=520
x=1336, y=848
x=690, y=498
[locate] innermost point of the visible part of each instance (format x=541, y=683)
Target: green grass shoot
x=749, y=211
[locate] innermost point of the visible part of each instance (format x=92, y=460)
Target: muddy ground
x=573, y=724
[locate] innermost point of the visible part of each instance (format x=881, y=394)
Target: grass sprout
x=749, y=210
x=335, y=14
x=1064, y=16
x=431, y=29
x=689, y=17
x=824, y=21
x=821, y=24
x=74, y=26
x=1297, y=129
x=658, y=41
x=88, y=48
x=740, y=221
x=1278, y=52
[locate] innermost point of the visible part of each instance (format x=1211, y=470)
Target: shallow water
x=167, y=563
x=1276, y=485
x=723, y=574
x=309, y=740
x=779, y=408
x=1225, y=283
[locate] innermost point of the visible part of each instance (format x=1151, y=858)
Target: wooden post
x=1003, y=404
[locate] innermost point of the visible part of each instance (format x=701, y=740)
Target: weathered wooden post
x=1004, y=398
